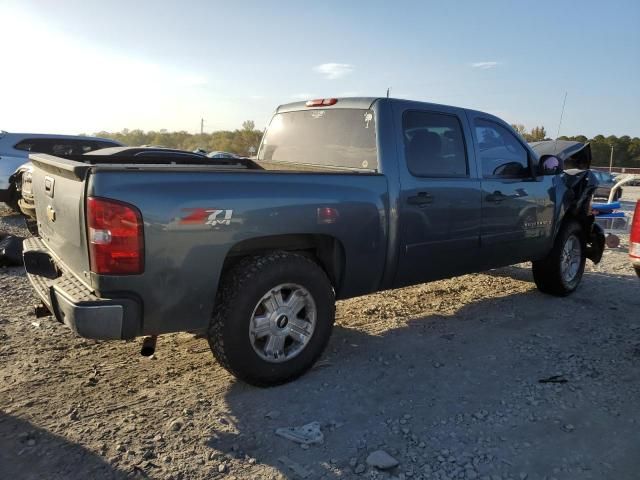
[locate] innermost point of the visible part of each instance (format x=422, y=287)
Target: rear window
x=329, y=138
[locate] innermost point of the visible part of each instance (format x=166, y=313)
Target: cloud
x=333, y=71
x=485, y=65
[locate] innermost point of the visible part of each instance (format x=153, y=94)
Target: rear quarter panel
x=183, y=261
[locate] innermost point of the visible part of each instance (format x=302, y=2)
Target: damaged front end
x=581, y=186
x=575, y=187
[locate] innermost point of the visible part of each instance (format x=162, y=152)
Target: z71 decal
x=206, y=216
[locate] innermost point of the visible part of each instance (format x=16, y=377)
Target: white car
x=15, y=149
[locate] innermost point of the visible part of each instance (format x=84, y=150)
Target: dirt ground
x=479, y=376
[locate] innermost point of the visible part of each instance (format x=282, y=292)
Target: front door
x=440, y=197
x=513, y=227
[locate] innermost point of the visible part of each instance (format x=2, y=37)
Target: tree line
x=626, y=149
x=243, y=141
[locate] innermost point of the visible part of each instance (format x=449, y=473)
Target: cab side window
x=434, y=145
x=501, y=154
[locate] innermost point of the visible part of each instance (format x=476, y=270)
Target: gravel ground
x=479, y=376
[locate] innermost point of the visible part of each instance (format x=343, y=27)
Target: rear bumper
x=73, y=303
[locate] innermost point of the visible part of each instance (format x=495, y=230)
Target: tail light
x=116, y=242
x=634, y=238
x=322, y=102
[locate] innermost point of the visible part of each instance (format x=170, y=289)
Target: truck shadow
x=29, y=452
x=427, y=370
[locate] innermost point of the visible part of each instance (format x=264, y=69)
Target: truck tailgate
x=59, y=192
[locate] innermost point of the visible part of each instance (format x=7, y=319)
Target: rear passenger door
x=512, y=197
x=440, y=196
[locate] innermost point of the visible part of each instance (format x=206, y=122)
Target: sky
x=85, y=66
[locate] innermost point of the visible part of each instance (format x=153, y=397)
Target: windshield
x=330, y=138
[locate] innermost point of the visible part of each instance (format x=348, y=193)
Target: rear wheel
x=561, y=271
x=273, y=318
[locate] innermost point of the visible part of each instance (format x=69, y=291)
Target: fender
x=574, y=202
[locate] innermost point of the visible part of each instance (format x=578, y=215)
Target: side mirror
x=549, y=165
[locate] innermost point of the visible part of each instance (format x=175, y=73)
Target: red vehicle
x=634, y=240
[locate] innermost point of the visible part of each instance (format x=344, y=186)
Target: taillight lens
x=634, y=238
x=322, y=102
x=115, y=234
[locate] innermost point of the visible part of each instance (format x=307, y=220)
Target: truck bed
x=246, y=208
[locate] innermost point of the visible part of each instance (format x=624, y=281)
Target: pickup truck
x=345, y=197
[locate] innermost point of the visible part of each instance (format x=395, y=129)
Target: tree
x=237, y=141
x=538, y=134
x=518, y=127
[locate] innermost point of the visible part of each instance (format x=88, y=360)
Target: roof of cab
x=366, y=103
x=349, y=102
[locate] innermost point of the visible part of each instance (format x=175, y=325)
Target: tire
x=259, y=301
x=560, y=274
x=637, y=269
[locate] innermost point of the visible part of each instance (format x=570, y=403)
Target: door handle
x=422, y=198
x=496, y=197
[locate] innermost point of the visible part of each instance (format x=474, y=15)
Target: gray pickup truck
x=346, y=197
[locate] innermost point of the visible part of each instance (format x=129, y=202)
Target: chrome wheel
x=282, y=323
x=571, y=259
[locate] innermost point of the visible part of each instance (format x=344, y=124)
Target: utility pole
x=201, y=126
x=611, y=158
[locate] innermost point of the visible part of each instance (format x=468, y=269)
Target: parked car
x=634, y=240
x=15, y=149
x=218, y=154
x=635, y=182
x=606, y=181
x=346, y=197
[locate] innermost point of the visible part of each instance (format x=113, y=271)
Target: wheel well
x=325, y=250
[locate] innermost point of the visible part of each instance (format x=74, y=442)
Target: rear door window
x=434, y=145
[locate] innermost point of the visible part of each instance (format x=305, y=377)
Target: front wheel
x=561, y=271
x=273, y=318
